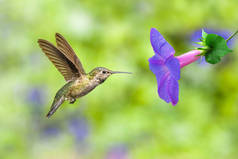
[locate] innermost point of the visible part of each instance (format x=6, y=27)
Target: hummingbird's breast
x=81, y=87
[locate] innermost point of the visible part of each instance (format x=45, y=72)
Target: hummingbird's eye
x=104, y=72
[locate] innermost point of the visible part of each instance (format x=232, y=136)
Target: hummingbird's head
x=100, y=74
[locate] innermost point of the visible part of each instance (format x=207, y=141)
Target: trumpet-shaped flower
x=166, y=66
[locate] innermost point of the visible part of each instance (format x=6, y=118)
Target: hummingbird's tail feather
x=55, y=106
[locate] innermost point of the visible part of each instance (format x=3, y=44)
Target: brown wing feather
x=65, y=67
x=67, y=50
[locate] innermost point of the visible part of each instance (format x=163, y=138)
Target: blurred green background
x=123, y=118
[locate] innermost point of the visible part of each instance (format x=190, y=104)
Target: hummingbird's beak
x=113, y=72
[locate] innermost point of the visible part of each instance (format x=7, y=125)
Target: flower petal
x=173, y=90
x=157, y=66
x=168, y=89
x=160, y=45
x=174, y=67
x=163, y=87
x=157, y=59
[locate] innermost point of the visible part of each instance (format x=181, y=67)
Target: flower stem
x=232, y=36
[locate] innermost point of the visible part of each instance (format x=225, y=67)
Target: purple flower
x=117, y=152
x=35, y=96
x=79, y=128
x=51, y=130
x=166, y=66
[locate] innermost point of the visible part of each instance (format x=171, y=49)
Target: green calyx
x=214, y=47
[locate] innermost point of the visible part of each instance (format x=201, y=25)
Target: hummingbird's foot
x=72, y=100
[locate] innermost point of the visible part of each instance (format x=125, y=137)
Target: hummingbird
x=78, y=82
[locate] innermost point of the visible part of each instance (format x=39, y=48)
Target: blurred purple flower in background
x=79, y=127
x=117, y=152
x=166, y=66
x=51, y=130
x=36, y=96
x=197, y=35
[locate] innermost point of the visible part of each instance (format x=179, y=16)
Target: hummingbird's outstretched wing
x=61, y=62
x=67, y=50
